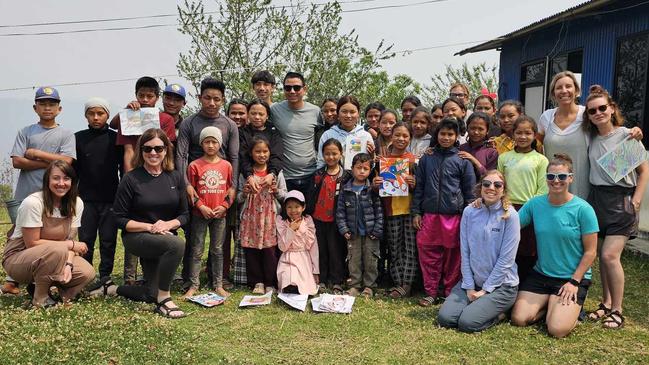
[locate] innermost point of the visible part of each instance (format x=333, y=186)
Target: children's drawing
x=623, y=159
x=256, y=300
x=135, y=122
x=393, y=172
x=207, y=300
x=353, y=146
x=330, y=303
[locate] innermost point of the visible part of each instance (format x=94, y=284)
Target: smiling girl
x=616, y=203
x=524, y=169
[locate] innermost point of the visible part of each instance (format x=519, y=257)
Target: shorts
x=616, y=215
x=538, y=283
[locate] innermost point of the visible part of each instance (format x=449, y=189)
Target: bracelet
x=573, y=282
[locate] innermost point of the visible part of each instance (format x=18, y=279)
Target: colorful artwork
x=256, y=300
x=353, y=146
x=329, y=303
x=135, y=122
x=393, y=172
x=623, y=159
x=207, y=300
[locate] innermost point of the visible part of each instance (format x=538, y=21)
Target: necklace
x=153, y=174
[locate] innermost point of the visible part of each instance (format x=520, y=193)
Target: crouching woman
x=43, y=248
x=489, y=236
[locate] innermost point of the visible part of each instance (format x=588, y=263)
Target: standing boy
x=173, y=102
x=211, y=177
x=359, y=217
x=35, y=147
x=97, y=166
x=263, y=84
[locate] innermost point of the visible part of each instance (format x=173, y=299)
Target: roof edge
x=574, y=12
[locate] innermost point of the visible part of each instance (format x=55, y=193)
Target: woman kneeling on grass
x=489, y=238
x=149, y=206
x=42, y=249
x=566, y=238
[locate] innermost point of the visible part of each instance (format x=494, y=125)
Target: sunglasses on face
x=601, y=109
x=295, y=88
x=157, y=149
x=496, y=184
x=562, y=176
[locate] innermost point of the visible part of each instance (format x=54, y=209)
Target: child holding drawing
x=398, y=222
x=298, y=267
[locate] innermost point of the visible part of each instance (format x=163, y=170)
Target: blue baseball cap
x=47, y=92
x=175, y=89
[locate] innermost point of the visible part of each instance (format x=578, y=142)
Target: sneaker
x=259, y=289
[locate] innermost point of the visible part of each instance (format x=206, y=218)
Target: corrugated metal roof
x=574, y=12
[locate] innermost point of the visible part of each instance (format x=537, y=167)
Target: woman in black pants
x=149, y=206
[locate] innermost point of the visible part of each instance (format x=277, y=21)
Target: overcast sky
x=34, y=60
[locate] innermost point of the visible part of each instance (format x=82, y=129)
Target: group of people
x=502, y=215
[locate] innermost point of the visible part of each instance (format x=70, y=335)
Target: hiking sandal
x=102, y=288
x=168, y=310
x=595, y=316
x=610, y=318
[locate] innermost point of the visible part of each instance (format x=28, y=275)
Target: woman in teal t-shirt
x=566, y=238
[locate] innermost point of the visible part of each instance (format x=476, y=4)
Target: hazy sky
x=31, y=61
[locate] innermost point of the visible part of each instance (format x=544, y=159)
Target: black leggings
x=160, y=256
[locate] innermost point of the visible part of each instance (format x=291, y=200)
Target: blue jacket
x=488, y=244
x=444, y=185
x=346, y=211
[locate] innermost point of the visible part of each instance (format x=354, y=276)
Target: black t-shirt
x=145, y=198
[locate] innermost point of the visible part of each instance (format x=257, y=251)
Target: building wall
x=596, y=35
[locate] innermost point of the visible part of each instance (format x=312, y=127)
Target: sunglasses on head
x=295, y=88
x=457, y=95
x=157, y=149
x=601, y=109
x=562, y=176
x=496, y=184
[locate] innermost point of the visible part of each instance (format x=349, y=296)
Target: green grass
x=379, y=331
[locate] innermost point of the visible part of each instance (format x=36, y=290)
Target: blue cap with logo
x=47, y=92
x=175, y=89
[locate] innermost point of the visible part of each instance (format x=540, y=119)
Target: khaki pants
x=362, y=256
x=43, y=265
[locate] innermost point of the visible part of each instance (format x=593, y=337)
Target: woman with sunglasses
x=488, y=242
x=562, y=129
x=150, y=205
x=616, y=202
x=566, y=241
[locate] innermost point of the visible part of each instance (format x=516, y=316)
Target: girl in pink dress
x=298, y=267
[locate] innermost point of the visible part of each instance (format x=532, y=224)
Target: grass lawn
x=379, y=331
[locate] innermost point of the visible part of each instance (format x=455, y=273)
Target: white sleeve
x=545, y=119
x=30, y=213
x=76, y=220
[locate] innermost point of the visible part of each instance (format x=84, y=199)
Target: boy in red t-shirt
x=211, y=177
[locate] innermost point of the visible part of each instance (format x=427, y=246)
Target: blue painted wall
x=596, y=35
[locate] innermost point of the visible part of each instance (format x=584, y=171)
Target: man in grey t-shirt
x=296, y=121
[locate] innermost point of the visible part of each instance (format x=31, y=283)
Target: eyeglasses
x=496, y=184
x=157, y=149
x=601, y=109
x=295, y=88
x=562, y=176
x=457, y=95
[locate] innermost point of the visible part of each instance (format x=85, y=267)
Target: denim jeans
x=199, y=227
